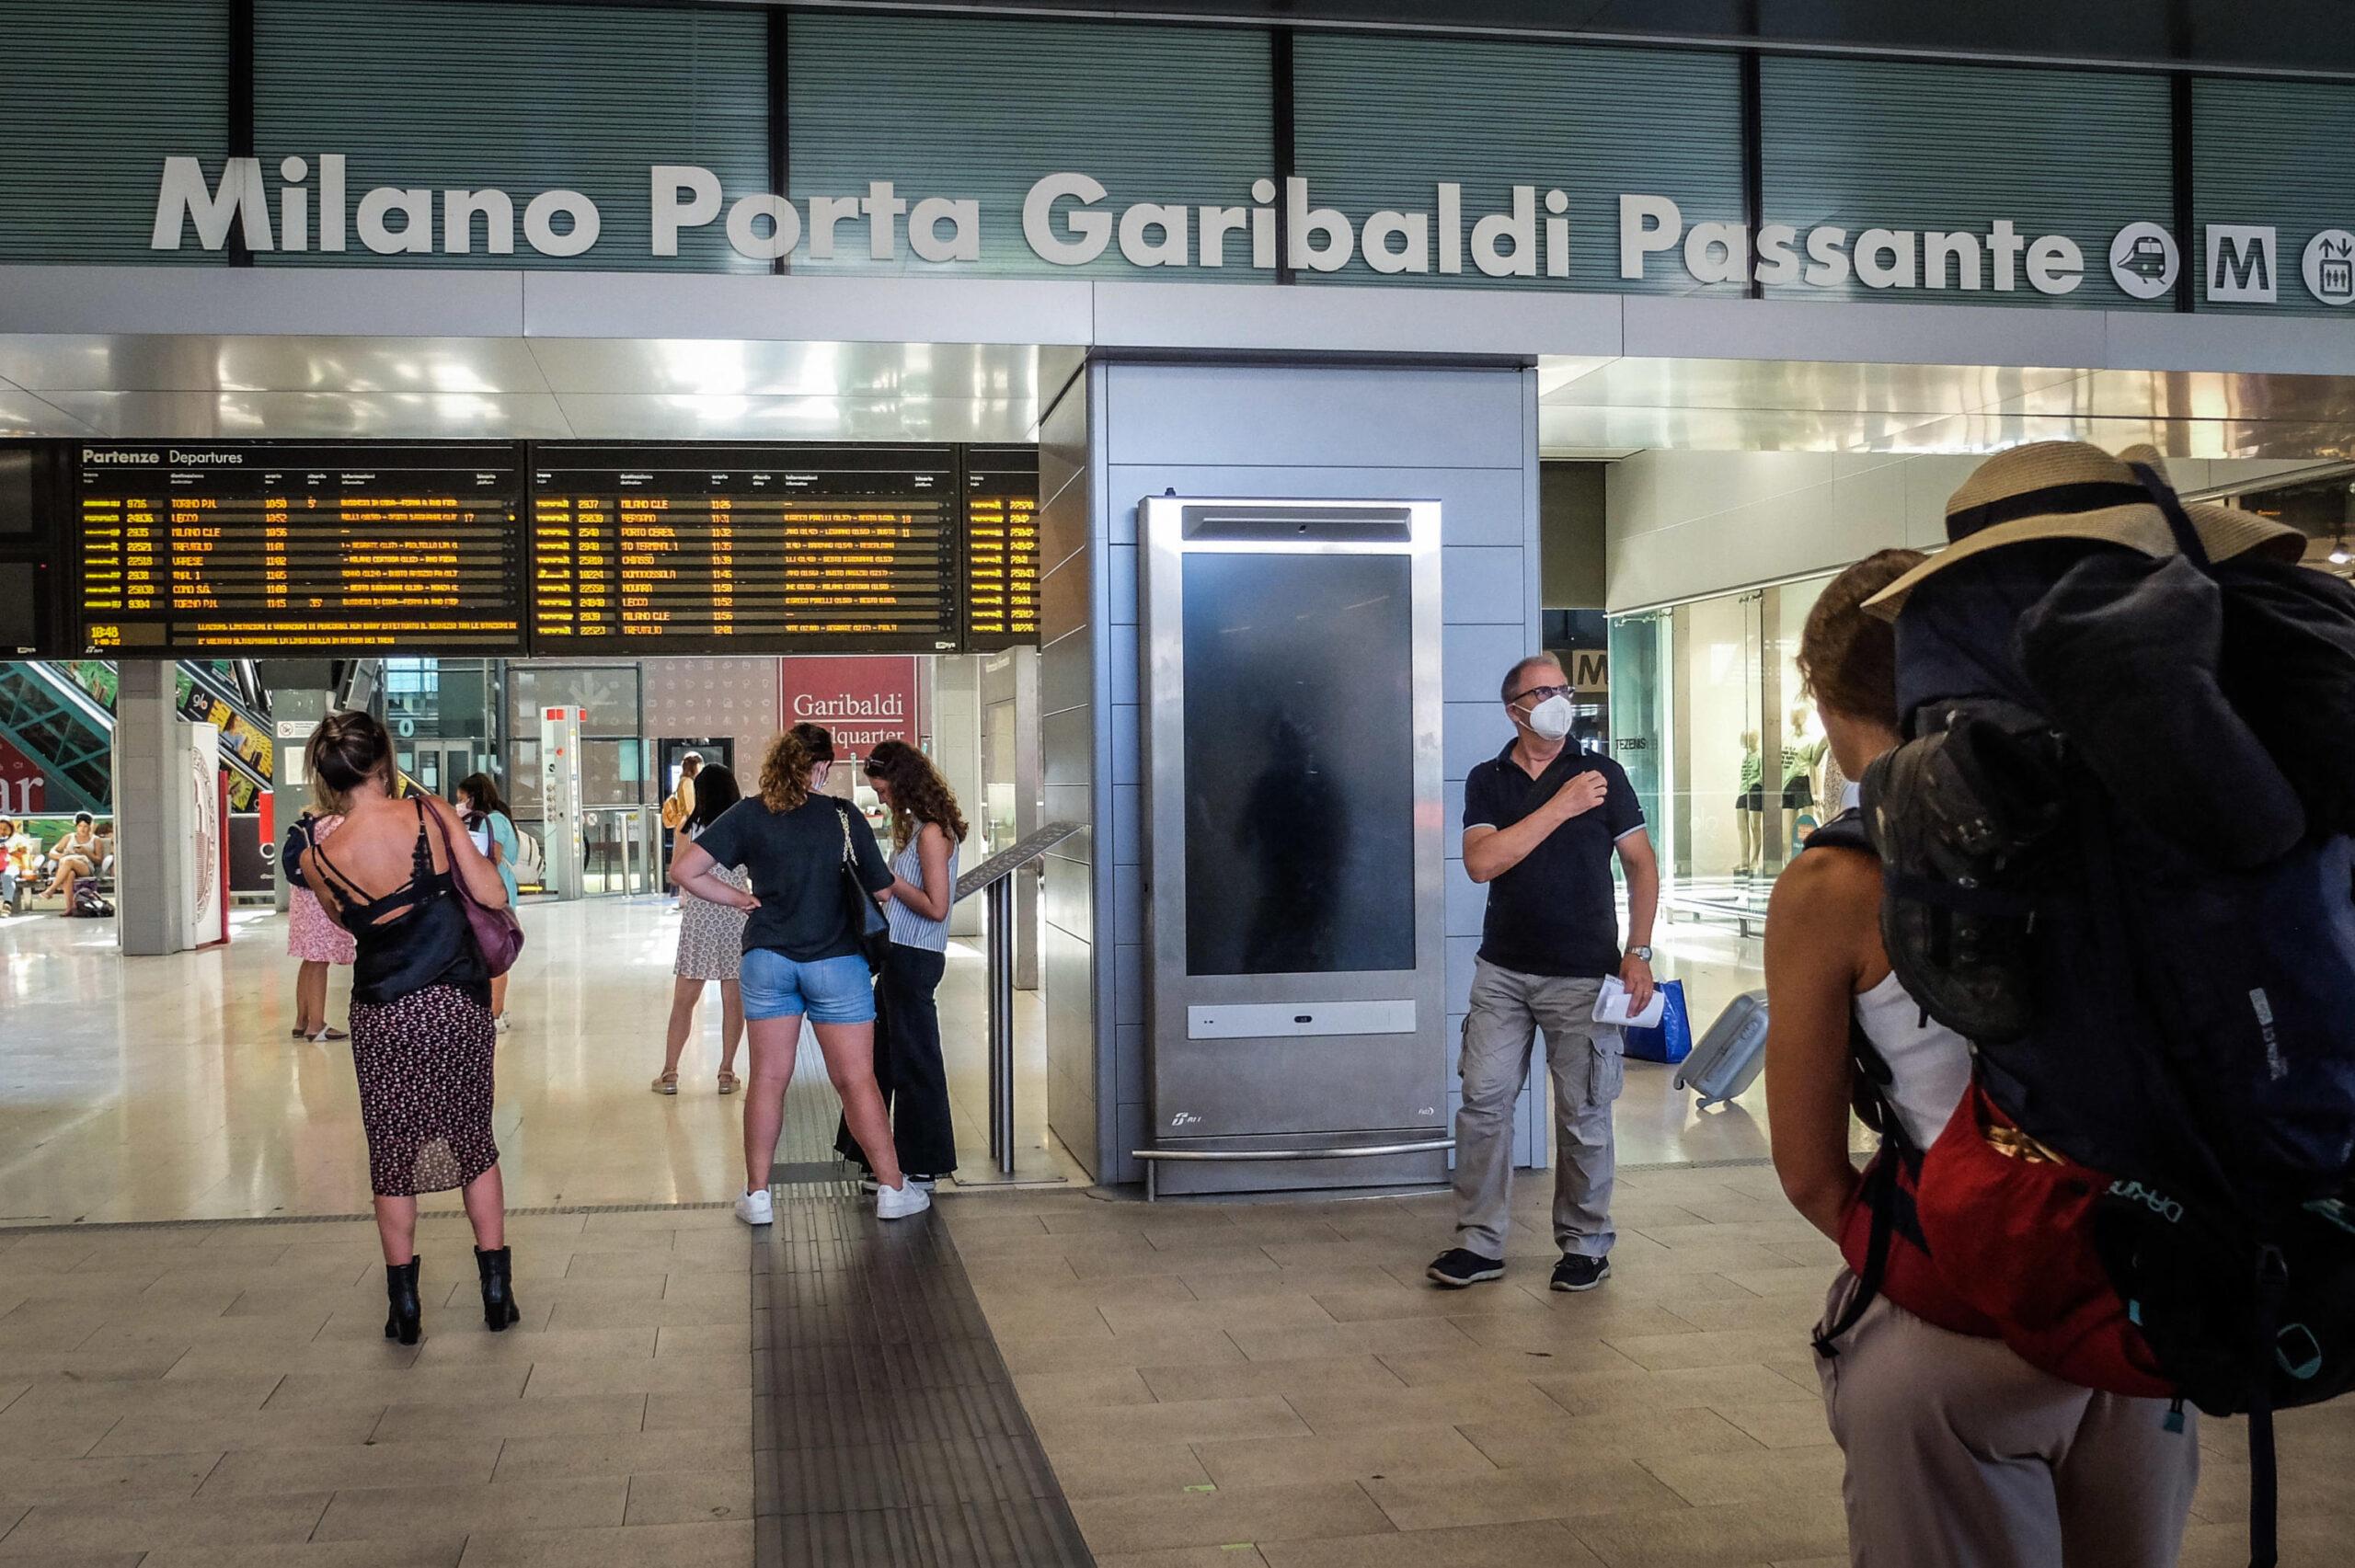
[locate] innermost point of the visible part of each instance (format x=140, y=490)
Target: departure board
x=261, y=548
x=686, y=549
x=1001, y=547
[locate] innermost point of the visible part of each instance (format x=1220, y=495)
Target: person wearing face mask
x=1541, y=820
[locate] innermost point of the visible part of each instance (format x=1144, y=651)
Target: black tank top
x=429, y=944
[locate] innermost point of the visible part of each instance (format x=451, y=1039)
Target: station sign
x=1069, y=218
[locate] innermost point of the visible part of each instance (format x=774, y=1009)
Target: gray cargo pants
x=1588, y=1070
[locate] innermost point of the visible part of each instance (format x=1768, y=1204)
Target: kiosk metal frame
x=1334, y=1075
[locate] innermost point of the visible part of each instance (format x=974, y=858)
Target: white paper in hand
x=1611, y=1006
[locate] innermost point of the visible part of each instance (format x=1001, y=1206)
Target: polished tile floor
x=1275, y=1386
x=1215, y=1385
x=169, y=1089
x=223, y=1396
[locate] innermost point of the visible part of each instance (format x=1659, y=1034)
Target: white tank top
x=1929, y=1064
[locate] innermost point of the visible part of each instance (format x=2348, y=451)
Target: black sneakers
x=1577, y=1273
x=1456, y=1268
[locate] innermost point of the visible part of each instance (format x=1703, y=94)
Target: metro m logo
x=2240, y=262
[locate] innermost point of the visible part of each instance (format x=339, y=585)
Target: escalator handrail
x=212, y=686
x=76, y=696
x=72, y=692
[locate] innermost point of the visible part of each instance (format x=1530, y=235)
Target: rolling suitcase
x=1728, y=1059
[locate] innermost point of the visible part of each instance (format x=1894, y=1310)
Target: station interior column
x=293, y=715
x=1463, y=435
x=151, y=808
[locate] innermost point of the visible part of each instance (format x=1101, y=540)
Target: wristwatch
x=1643, y=952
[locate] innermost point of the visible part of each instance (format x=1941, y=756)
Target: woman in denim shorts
x=801, y=956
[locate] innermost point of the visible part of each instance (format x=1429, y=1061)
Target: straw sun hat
x=2075, y=490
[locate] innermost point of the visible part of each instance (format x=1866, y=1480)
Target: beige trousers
x=1961, y=1455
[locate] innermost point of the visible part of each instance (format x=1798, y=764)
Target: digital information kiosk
x=1294, y=790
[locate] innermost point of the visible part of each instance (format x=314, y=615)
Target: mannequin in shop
x=1802, y=754
x=1831, y=785
x=1750, y=806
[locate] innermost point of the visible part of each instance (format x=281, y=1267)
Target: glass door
x=435, y=766
x=1718, y=805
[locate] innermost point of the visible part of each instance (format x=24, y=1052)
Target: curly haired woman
x=926, y=828
x=801, y=956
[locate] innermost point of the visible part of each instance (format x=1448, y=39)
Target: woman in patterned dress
x=316, y=941
x=422, y=1034
x=712, y=945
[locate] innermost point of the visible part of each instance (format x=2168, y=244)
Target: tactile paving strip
x=886, y=1428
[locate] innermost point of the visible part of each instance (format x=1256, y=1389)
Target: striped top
x=910, y=928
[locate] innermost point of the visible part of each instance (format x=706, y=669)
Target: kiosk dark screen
x=1299, y=764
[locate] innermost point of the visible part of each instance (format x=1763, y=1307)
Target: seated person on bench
x=75, y=857
x=20, y=858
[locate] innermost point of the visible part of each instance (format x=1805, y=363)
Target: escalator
x=63, y=730
x=60, y=716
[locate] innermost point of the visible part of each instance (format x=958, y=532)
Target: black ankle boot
x=499, y=1308
x=400, y=1290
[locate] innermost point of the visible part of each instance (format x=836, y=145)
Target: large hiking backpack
x=2116, y=859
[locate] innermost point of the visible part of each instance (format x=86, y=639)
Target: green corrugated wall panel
x=93, y=97
x=1380, y=123
x=1881, y=145
x=522, y=98
x=2277, y=152
x=982, y=109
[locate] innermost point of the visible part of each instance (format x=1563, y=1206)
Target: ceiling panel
x=22, y=414
x=707, y=367
x=1795, y=385
x=2174, y=438
x=1561, y=430
x=2203, y=394
x=167, y=416
x=83, y=362
x=665, y=389
x=605, y=416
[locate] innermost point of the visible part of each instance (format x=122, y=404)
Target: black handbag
x=868, y=926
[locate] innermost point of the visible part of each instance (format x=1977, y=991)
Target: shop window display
x=1741, y=769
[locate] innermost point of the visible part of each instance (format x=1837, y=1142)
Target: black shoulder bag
x=868, y=926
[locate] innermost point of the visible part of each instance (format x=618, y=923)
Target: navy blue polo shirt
x=1555, y=914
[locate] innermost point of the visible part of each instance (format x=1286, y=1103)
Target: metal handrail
x=1329, y=1152
x=1011, y=859
x=995, y=876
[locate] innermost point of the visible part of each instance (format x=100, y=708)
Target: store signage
x=24, y=786
x=1070, y=219
x=864, y=700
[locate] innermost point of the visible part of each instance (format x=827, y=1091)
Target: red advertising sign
x=863, y=699
x=23, y=789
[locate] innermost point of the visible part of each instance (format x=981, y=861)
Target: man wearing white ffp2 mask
x=1541, y=820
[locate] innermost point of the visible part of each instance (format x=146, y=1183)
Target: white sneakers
x=901, y=1202
x=890, y=1203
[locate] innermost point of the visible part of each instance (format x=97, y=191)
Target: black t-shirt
x=1554, y=913
x=795, y=858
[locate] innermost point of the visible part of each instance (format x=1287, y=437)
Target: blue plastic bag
x=1670, y=1040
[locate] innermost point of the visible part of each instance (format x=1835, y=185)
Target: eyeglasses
x=1544, y=693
